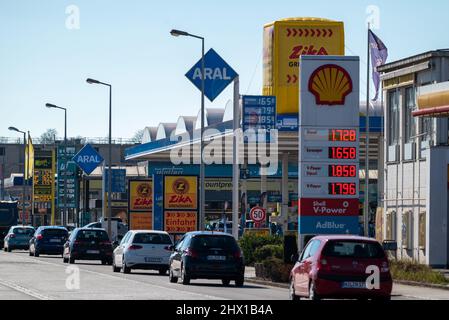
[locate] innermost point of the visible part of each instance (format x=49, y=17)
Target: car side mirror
x=170, y=248
x=390, y=245
x=294, y=258
x=115, y=243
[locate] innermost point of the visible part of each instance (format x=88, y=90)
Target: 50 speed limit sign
x=258, y=214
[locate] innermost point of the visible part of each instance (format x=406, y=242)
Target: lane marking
x=24, y=290
x=123, y=278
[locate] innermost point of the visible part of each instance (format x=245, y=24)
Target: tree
x=49, y=136
x=137, y=138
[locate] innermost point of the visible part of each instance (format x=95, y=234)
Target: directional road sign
x=88, y=159
x=217, y=75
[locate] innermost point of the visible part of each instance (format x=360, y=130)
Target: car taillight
x=39, y=237
x=135, y=247
x=238, y=254
x=105, y=243
x=12, y=235
x=323, y=265
x=76, y=243
x=191, y=253
x=385, y=267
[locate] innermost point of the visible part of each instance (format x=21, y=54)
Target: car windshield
x=206, y=242
x=353, y=249
x=54, y=233
x=23, y=231
x=152, y=238
x=91, y=235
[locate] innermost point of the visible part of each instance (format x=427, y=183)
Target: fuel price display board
x=328, y=146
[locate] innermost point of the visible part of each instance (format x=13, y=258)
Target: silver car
x=144, y=250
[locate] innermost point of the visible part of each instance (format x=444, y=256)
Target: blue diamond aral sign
x=88, y=159
x=217, y=75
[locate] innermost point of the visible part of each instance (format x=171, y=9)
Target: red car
x=341, y=267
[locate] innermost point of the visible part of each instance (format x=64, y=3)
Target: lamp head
x=13, y=129
x=92, y=81
x=177, y=33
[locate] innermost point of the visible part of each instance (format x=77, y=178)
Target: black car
x=88, y=244
x=48, y=240
x=207, y=255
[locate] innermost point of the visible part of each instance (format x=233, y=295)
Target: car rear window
x=353, y=249
x=54, y=233
x=23, y=231
x=207, y=242
x=152, y=238
x=90, y=235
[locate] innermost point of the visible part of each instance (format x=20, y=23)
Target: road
x=48, y=278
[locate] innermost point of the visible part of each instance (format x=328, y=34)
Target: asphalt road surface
x=48, y=278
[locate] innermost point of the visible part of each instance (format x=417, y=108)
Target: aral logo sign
x=88, y=159
x=330, y=84
x=181, y=192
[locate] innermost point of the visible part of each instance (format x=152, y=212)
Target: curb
x=422, y=284
x=267, y=283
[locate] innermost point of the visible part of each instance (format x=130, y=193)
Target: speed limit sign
x=258, y=214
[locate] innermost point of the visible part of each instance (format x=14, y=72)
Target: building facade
x=415, y=174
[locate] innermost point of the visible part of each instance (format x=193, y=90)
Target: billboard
x=67, y=168
x=43, y=179
x=285, y=41
x=141, y=220
x=181, y=192
x=140, y=195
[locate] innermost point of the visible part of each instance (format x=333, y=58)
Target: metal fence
x=18, y=140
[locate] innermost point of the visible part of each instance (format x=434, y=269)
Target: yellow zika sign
x=180, y=221
x=181, y=192
x=140, y=195
x=284, y=42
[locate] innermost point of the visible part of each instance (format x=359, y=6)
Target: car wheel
x=171, y=277
x=163, y=271
x=291, y=292
x=65, y=260
x=312, y=292
x=185, y=279
x=114, y=267
x=225, y=282
x=240, y=281
x=71, y=260
x=9, y=249
x=36, y=254
x=30, y=253
x=125, y=269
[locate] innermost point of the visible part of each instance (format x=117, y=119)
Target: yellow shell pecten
x=330, y=84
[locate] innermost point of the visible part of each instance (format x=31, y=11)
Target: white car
x=144, y=250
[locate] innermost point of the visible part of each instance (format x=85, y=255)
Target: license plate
x=149, y=259
x=353, y=285
x=55, y=240
x=93, y=251
x=216, y=258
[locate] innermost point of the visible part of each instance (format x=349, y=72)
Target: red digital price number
x=341, y=171
x=342, y=189
x=343, y=135
x=343, y=153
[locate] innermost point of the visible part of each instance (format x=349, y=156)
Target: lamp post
x=64, y=212
x=109, y=212
x=177, y=33
x=24, y=171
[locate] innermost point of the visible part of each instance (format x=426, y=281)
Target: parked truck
x=8, y=218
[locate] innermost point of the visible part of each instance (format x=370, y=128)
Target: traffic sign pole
x=235, y=164
x=202, y=170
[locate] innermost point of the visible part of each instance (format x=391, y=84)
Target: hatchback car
x=48, y=240
x=341, y=267
x=207, y=255
x=88, y=244
x=18, y=237
x=145, y=249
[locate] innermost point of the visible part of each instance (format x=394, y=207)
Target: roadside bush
x=412, y=271
x=250, y=242
x=268, y=251
x=275, y=270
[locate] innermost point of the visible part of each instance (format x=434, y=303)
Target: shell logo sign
x=180, y=192
x=330, y=84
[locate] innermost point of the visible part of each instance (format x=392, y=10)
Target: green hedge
x=412, y=271
x=269, y=251
x=249, y=243
x=276, y=270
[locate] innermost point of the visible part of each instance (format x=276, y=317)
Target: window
x=426, y=128
x=219, y=242
x=315, y=246
x=393, y=118
x=409, y=121
x=353, y=249
x=152, y=238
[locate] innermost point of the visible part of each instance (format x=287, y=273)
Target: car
x=122, y=228
x=88, y=244
x=207, y=255
x=18, y=237
x=339, y=267
x=48, y=240
x=144, y=250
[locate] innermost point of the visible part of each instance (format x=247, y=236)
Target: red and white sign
x=329, y=207
x=258, y=214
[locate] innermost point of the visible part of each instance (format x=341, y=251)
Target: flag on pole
x=379, y=55
x=29, y=158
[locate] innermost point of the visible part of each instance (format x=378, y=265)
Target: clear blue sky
x=127, y=43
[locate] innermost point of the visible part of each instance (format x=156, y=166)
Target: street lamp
x=24, y=170
x=177, y=33
x=109, y=213
x=64, y=213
